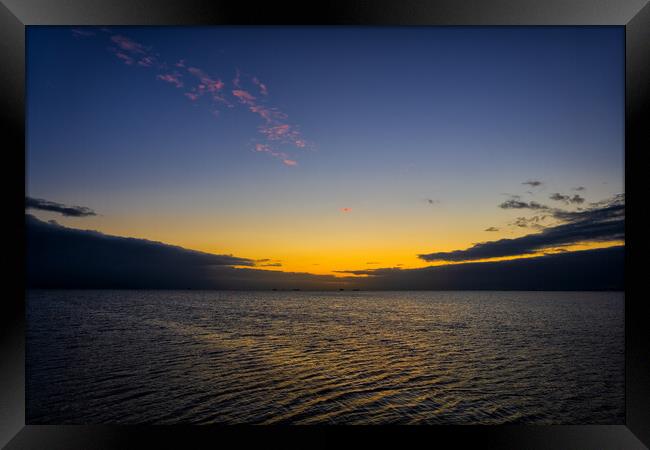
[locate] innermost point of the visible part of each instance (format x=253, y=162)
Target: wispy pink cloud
x=276, y=129
x=262, y=148
x=260, y=85
x=128, y=45
x=237, y=80
x=124, y=57
x=276, y=132
x=131, y=52
x=207, y=83
x=244, y=97
x=265, y=148
x=346, y=210
x=172, y=78
x=82, y=33
x=284, y=133
x=268, y=114
x=147, y=61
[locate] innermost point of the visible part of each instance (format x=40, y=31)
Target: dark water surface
x=331, y=357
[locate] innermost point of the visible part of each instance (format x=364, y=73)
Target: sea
x=344, y=357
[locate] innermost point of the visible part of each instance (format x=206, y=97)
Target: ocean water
x=201, y=357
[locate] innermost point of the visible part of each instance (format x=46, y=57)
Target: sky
x=331, y=150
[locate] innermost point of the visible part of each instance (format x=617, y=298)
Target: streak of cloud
x=260, y=85
x=244, y=97
x=126, y=59
x=517, y=204
x=266, y=262
x=567, y=199
x=128, y=45
x=600, y=224
x=173, y=78
x=263, y=148
x=80, y=32
x=277, y=133
x=599, y=269
x=69, y=211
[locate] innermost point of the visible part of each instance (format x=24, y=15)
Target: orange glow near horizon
x=336, y=241
x=355, y=262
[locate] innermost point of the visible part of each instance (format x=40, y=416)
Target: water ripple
x=160, y=357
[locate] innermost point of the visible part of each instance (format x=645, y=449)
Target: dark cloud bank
x=605, y=222
x=46, y=205
x=61, y=257
x=600, y=269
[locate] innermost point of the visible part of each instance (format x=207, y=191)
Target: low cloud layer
x=599, y=224
x=68, y=211
x=600, y=269
x=59, y=255
x=62, y=257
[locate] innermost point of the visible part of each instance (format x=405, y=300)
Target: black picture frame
x=15, y=15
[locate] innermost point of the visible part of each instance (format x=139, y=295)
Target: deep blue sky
x=393, y=116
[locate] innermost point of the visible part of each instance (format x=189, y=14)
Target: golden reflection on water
x=362, y=357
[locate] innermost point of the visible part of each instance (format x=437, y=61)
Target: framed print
x=384, y=221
